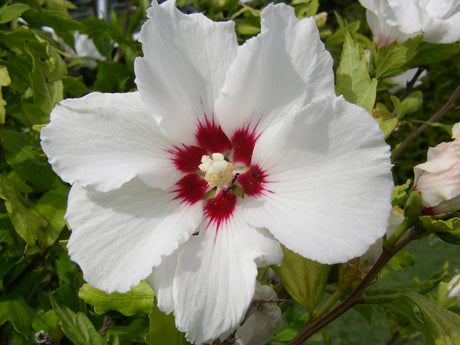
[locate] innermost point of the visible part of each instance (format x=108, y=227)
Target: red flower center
x=248, y=180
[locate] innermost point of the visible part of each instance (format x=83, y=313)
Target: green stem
x=337, y=295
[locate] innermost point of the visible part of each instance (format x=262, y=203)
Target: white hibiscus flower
x=399, y=20
x=224, y=152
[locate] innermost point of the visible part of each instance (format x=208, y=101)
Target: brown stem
x=395, y=336
x=409, y=86
x=412, y=337
x=356, y=296
x=417, y=131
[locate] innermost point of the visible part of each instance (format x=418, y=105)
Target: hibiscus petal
x=329, y=184
x=119, y=236
x=103, y=140
x=285, y=65
x=185, y=61
x=209, y=282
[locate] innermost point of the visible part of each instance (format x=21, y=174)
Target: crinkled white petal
x=103, y=140
x=398, y=20
x=209, y=282
x=329, y=184
x=284, y=66
x=119, y=236
x=183, y=68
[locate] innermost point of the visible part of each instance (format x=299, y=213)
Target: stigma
x=219, y=172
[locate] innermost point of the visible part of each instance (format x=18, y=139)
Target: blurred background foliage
x=43, y=298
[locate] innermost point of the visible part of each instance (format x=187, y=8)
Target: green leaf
x=410, y=104
x=163, y=329
x=74, y=86
x=440, y=325
x=18, y=312
x=27, y=222
x=136, y=301
x=303, y=279
x=431, y=53
x=10, y=12
x=47, y=70
x=113, y=77
x=135, y=332
x=401, y=260
x=448, y=230
x=400, y=193
x=388, y=126
x=394, y=59
x=77, y=327
x=353, y=81
x=26, y=161
x=45, y=321
x=52, y=207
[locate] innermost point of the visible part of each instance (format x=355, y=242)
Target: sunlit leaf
x=10, y=12
x=394, y=60
x=77, y=327
x=136, y=301
x=353, y=81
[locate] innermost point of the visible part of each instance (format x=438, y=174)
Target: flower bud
x=438, y=179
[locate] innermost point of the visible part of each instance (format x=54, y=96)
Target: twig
x=356, y=296
x=395, y=336
x=106, y=324
x=411, y=337
x=417, y=131
x=409, y=86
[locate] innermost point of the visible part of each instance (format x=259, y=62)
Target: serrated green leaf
x=401, y=260
x=18, y=312
x=77, y=327
x=400, y=193
x=353, y=81
x=388, y=126
x=52, y=207
x=27, y=222
x=136, y=301
x=45, y=321
x=26, y=161
x=410, y=104
x=47, y=86
x=440, y=325
x=303, y=279
x=163, y=329
x=10, y=12
x=394, y=60
x=448, y=230
x=74, y=86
